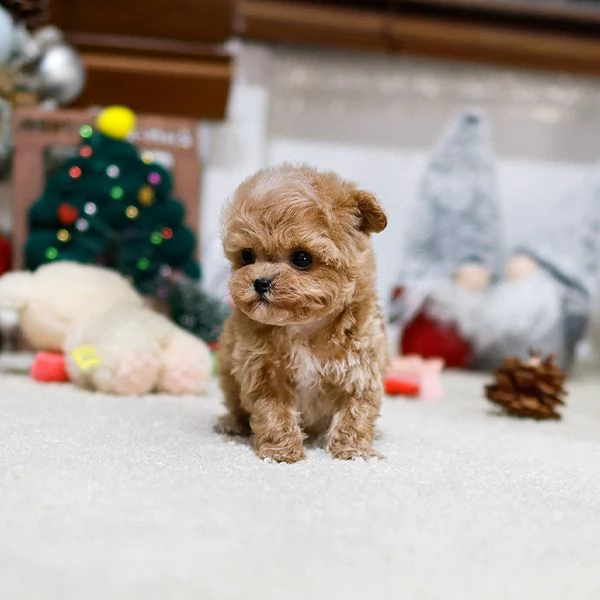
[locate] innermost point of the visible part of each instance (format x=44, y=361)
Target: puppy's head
x=298, y=241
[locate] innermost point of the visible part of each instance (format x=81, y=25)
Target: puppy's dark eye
x=248, y=257
x=301, y=259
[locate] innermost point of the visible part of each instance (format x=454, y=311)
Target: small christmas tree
x=110, y=205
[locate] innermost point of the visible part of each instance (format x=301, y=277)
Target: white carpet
x=109, y=498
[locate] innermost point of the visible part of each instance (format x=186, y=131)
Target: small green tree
x=109, y=205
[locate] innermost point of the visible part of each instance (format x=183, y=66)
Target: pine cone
x=30, y=12
x=533, y=388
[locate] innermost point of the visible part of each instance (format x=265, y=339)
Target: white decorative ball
x=61, y=74
x=7, y=35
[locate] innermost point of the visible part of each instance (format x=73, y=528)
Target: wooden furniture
x=563, y=36
x=36, y=130
x=158, y=57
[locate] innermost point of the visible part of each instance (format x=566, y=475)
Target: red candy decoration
x=49, y=367
x=67, y=214
x=397, y=386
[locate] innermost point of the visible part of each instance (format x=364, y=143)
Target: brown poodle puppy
x=305, y=347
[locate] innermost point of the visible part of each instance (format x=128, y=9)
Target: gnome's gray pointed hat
x=456, y=216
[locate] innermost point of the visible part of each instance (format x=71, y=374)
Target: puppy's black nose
x=262, y=285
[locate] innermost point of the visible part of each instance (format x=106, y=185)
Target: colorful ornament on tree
x=67, y=214
x=143, y=264
x=148, y=157
x=75, y=172
x=113, y=171
x=63, y=235
x=51, y=253
x=154, y=178
x=90, y=208
x=82, y=225
x=146, y=195
x=117, y=192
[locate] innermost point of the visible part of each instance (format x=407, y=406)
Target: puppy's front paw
x=288, y=453
x=350, y=452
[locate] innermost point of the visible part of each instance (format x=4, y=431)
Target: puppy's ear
x=372, y=217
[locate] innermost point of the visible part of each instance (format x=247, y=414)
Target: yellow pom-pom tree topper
x=116, y=122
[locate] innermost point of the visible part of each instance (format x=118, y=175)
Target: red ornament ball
x=167, y=233
x=75, y=172
x=429, y=338
x=67, y=214
x=85, y=151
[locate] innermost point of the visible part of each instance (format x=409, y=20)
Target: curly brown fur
x=304, y=349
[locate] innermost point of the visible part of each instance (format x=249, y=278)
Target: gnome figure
x=460, y=296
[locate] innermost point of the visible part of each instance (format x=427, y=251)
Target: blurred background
x=364, y=87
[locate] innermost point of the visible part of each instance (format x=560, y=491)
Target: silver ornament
x=48, y=36
x=48, y=67
x=60, y=74
x=7, y=36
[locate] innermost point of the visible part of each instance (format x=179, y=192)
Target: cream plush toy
x=111, y=341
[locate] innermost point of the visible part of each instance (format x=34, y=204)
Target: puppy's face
x=298, y=243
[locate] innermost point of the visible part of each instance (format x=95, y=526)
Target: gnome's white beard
x=529, y=310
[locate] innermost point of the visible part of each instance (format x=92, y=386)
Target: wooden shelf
x=167, y=86
x=202, y=21
x=158, y=56
x=542, y=39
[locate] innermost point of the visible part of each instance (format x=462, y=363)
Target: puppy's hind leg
x=237, y=420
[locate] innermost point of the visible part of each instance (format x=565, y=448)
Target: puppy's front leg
x=353, y=427
x=274, y=423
